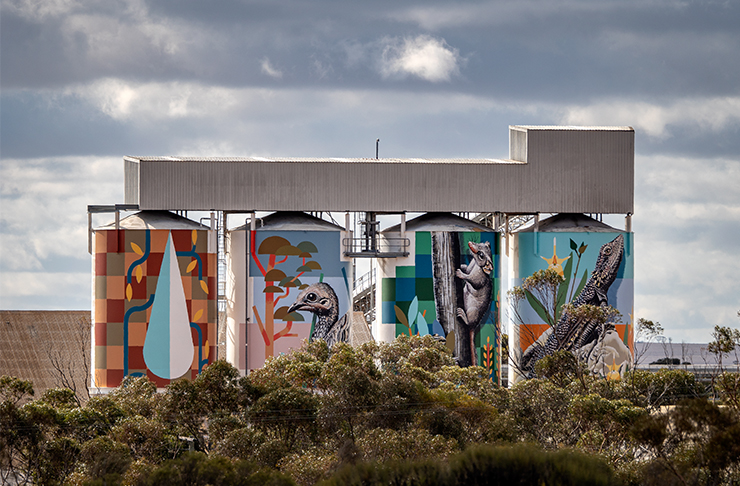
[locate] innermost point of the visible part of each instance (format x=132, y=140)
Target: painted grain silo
x=154, y=305
x=287, y=281
x=448, y=285
x=595, y=264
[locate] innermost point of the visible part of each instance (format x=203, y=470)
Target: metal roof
x=154, y=220
x=570, y=223
x=549, y=170
x=439, y=222
x=338, y=160
x=32, y=341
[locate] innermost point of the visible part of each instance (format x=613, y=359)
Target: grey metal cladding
x=131, y=180
x=558, y=169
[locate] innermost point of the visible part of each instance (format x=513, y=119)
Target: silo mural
x=154, y=299
x=448, y=286
x=299, y=285
x=595, y=265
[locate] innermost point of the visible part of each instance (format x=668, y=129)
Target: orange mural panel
x=114, y=357
x=529, y=333
x=116, y=287
x=136, y=333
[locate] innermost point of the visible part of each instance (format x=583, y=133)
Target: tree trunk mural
x=448, y=294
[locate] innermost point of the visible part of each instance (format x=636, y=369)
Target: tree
x=725, y=341
x=695, y=443
x=73, y=373
x=278, y=284
x=647, y=332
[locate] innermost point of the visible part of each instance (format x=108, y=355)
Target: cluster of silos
x=448, y=285
x=154, y=299
x=595, y=264
x=287, y=281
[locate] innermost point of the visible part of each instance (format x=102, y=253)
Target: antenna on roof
x=377, y=142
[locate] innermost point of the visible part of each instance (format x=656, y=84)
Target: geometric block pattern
x=415, y=283
x=127, y=265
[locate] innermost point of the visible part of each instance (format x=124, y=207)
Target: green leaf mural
x=582, y=284
x=307, y=247
x=538, y=307
x=563, y=288
x=290, y=282
x=413, y=311
x=421, y=325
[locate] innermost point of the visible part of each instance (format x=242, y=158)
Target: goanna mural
x=299, y=287
x=155, y=304
x=451, y=290
x=596, y=269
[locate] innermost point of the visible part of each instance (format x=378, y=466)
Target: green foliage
x=694, y=443
x=659, y=388
x=540, y=290
x=13, y=390
x=59, y=398
x=242, y=443
x=728, y=386
x=135, y=396
x=197, y=469
x=103, y=456
x=397, y=413
x=285, y=414
x=484, y=465
x=413, y=443
x=726, y=340
x=561, y=368
x=310, y=466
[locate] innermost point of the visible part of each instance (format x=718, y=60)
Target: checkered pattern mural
x=127, y=270
x=408, y=297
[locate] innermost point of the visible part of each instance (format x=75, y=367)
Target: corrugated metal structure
x=49, y=348
x=550, y=170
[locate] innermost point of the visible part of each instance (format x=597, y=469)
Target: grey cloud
x=186, y=77
x=516, y=50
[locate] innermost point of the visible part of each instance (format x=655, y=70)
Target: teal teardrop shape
x=168, y=346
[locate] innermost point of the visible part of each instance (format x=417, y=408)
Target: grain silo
x=448, y=284
x=594, y=262
x=288, y=280
x=154, y=302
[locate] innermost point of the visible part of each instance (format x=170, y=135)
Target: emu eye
x=311, y=297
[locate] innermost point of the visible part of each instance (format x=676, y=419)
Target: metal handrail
x=365, y=282
x=378, y=248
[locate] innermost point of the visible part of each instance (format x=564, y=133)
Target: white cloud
x=687, y=215
x=423, y=56
x=123, y=100
x=474, y=14
x=44, y=207
x=654, y=119
x=38, y=10
x=127, y=100
x=52, y=291
x=270, y=70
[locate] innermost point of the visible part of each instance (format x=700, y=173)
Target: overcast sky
x=85, y=82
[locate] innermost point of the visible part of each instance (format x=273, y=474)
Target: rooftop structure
x=549, y=170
